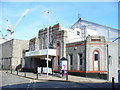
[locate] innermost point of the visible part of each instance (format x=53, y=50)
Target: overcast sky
x=65, y=13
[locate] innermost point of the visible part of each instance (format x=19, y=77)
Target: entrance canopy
x=51, y=52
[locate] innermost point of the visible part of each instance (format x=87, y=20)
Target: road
x=14, y=82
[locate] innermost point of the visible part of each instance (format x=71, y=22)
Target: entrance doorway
x=41, y=63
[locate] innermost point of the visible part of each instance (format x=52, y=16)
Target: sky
x=65, y=13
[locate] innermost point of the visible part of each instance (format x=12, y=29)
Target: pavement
x=30, y=80
x=56, y=77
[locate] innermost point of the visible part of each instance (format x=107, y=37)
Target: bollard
x=11, y=71
x=25, y=74
x=66, y=76
x=37, y=76
x=7, y=71
x=113, y=84
x=17, y=72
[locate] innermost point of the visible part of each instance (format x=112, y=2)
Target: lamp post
x=108, y=62
x=47, y=42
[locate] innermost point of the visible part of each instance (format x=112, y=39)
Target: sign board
x=63, y=65
x=38, y=69
x=45, y=70
x=48, y=59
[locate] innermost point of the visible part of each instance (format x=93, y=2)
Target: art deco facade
x=86, y=45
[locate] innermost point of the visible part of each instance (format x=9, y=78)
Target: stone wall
x=96, y=43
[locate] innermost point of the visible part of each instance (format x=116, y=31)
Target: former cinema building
x=87, y=46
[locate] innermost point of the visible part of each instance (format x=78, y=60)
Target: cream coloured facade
x=87, y=46
x=84, y=45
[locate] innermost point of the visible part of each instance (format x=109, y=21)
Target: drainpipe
x=108, y=62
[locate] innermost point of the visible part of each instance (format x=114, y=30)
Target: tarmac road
x=14, y=82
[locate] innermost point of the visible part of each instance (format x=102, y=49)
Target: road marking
x=34, y=84
x=31, y=81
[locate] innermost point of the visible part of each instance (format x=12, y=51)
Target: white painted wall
x=72, y=35
x=113, y=67
x=91, y=32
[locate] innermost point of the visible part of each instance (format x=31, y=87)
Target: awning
x=43, y=52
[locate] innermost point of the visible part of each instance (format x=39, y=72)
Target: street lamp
x=108, y=64
x=47, y=41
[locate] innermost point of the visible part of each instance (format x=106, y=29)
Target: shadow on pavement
x=56, y=84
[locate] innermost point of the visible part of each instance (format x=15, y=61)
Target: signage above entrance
x=51, y=52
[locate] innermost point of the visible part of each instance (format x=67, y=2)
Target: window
x=80, y=58
x=119, y=59
x=78, y=32
x=95, y=56
x=71, y=59
x=58, y=60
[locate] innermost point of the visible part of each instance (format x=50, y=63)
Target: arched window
x=96, y=60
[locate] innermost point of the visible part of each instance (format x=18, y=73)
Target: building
x=87, y=46
x=0, y=56
x=1, y=41
x=88, y=56
x=12, y=53
x=92, y=29
x=118, y=39
x=56, y=36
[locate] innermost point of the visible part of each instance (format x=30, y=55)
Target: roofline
x=80, y=19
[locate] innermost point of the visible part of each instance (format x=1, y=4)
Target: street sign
x=63, y=63
x=38, y=69
x=48, y=59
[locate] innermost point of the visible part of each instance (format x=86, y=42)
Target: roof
x=89, y=22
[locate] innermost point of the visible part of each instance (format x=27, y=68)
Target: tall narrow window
x=71, y=61
x=119, y=59
x=58, y=53
x=58, y=60
x=78, y=32
x=80, y=59
x=96, y=60
x=95, y=56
